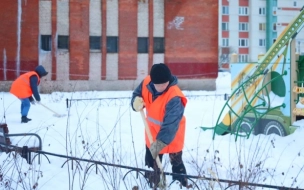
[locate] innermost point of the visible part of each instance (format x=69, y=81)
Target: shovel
x=162, y=183
x=55, y=113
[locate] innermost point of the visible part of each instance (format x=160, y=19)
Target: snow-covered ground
x=108, y=130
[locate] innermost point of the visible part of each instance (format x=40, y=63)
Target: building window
x=225, y=10
x=63, y=42
x=158, y=45
x=274, y=26
x=112, y=44
x=262, y=26
x=243, y=11
x=262, y=42
x=262, y=11
x=46, y=42
x=294, y=3
x=95, y=42
x=225, y=42
x=243, y=26
x=143, y=45
x=243, y=58
x=274, y=10
x=243, y=42
x=225, y=26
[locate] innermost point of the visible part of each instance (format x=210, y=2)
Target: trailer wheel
x=274, y=127
x=245, y=126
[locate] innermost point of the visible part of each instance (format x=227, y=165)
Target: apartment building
x=249, y=27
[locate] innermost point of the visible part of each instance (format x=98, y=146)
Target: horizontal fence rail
x=241, y=184
x=126, y=100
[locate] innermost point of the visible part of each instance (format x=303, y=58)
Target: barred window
x=159, y=45
x=112, y=44
x=63, y=42
x=46, y=42
x=143, y=45
x=95, y=42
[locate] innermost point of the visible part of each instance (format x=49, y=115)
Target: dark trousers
x=176, y=161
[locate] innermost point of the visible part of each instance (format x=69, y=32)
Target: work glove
x=138, y=103
x=156, y=147
x=33, y=102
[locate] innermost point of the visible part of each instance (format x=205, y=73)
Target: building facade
x=108, y=44
x=249, y=27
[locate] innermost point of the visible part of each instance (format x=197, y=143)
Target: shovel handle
x=150, y=138
x=49, y=109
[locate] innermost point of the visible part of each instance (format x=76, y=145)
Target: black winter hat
x=160, y=73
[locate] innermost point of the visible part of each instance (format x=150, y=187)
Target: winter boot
x=178, y=167
x=24, y=119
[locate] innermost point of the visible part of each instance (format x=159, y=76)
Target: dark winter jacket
x=174, y=111
x=34, y=82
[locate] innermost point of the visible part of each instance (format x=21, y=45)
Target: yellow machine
x=266, y=96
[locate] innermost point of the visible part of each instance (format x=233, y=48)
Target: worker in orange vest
x=24, y=87
x=165, y=104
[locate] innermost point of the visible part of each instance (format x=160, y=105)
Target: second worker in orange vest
x=165, y=104
x=24, y=87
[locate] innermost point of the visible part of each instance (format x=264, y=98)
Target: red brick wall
x=192, y=50
x=8, y=40
x=79, y=39
x=54, y=48
x=104, y=40
x=29, y=35
x=244, y=3
x=127, y=59
x=151, y=34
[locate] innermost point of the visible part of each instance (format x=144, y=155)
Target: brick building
x=108, y=44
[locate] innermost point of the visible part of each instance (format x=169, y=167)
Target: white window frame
x=243, y=26
x=243, y=42
x=262, y=11
x=274, y=10
x=262, y=42
x=225, y=10
x=262, y=26
x=226, y=28
x=225, y=42
x=243, y=58
x=243, y=11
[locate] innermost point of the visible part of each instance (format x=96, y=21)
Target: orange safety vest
x=155, y=113
x=21, y=86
